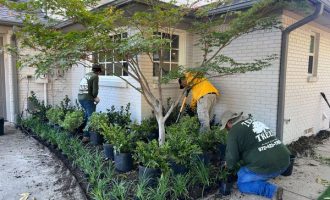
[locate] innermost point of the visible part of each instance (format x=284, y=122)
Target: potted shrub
x=94, y=127
x=123, y=147
x=72, y=121
x=182, y=148
x=55, y=117
x=108, y=133
x=226, y=182
x=152, y=158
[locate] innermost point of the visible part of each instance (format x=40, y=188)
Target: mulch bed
x=305, y=146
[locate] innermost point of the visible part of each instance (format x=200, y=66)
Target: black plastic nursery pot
x=225, y=187
x=177, y=168
x=205, y=157
x=151, y=175
x=108, y=151
x=288, y=171
x=2, y=126
x=123, y=162
x=96, y=138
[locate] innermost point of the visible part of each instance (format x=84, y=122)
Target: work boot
x=85, y=139
x=279, y=193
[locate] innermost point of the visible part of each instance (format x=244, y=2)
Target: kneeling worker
x=204, y=95
x=263, y=156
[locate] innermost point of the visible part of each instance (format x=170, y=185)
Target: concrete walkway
x=28, y=167
x=309, y=179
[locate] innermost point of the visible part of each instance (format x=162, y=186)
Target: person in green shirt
x=87, y=95
x=261, y=155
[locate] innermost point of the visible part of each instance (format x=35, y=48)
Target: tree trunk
x=161, y=127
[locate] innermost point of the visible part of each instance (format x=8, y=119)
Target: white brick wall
x=253, y=92
x=304, y=105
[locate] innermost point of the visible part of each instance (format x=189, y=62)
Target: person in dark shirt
x=261, y=155
x=87, y=96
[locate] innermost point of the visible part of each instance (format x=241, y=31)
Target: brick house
x=286, y=96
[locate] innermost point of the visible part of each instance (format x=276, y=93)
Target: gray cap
x=228, y=115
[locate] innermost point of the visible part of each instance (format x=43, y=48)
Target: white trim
x=112, y=81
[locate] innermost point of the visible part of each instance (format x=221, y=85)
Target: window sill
x=112, y=82
x=312, y=79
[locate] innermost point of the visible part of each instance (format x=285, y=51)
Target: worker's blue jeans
x=89, y=107
x=253, y=183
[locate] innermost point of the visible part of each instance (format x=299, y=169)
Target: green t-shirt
x=253, y=143
x=89, y=87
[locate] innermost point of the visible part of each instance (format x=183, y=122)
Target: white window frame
x=312, y=75
x=181, y=49
x=113, y=62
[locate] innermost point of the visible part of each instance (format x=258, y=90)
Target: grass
x=325, y=195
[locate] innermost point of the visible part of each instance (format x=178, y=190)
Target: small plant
x=37, y=108
x=119, y=190
x=180, y=185
x=108, y=131
x=121, y=117
x=162, y=189
x=55, y=115
x=66, y=106
x=220, y=135
x=122, y=140
x=151, y=155
x=147, y=130
x=96, y=121
x=73, y=120
x=202, y=175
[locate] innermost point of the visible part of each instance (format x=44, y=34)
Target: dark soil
x=305, y=146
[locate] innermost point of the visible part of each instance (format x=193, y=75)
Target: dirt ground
x=310, y=178
x=28, y=167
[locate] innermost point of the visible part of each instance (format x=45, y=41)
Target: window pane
x=174, y=67
x=155, y=71
x=312, y=44
x=109, y=70
x=310, y=64
x=175, y=41
x=118, y=69
x=166, y=55
x=165, y=68
x=101, y=57
x=156, y=57
x=103, y=70
x=125, y=66
x=124, y=35
x=175, y=56
x=109, y=56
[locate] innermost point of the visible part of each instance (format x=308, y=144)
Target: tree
x=151, y=34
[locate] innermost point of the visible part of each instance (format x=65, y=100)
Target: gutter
x=10, y=23
x=283, y=64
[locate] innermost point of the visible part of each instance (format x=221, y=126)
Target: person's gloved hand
x=96, y=100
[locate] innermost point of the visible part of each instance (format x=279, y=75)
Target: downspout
x=15, y=78
x=283, y=65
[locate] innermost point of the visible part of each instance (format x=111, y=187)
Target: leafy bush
x=209, y=140
x=182, y=148
x=66, y=106
x=151, y=155
x=108, y=131
x=37, y=108
x=122, y=140
x=147, y=130
x=121, y=117
x=55, y=115
x=73, y=120
x=95, y=121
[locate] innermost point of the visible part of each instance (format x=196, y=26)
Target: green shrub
x=108, y=131
x=151, y=154
x=73, y=120
x=121, y=117
x=147, y=130
x=122, y=140
x=55, y=115
x=95, y=121
x=182, y=148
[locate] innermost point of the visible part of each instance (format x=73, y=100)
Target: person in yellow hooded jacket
x=204, y=97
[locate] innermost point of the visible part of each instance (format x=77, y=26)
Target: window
x=110, y=64
x=313, y=54
x=170, y=56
